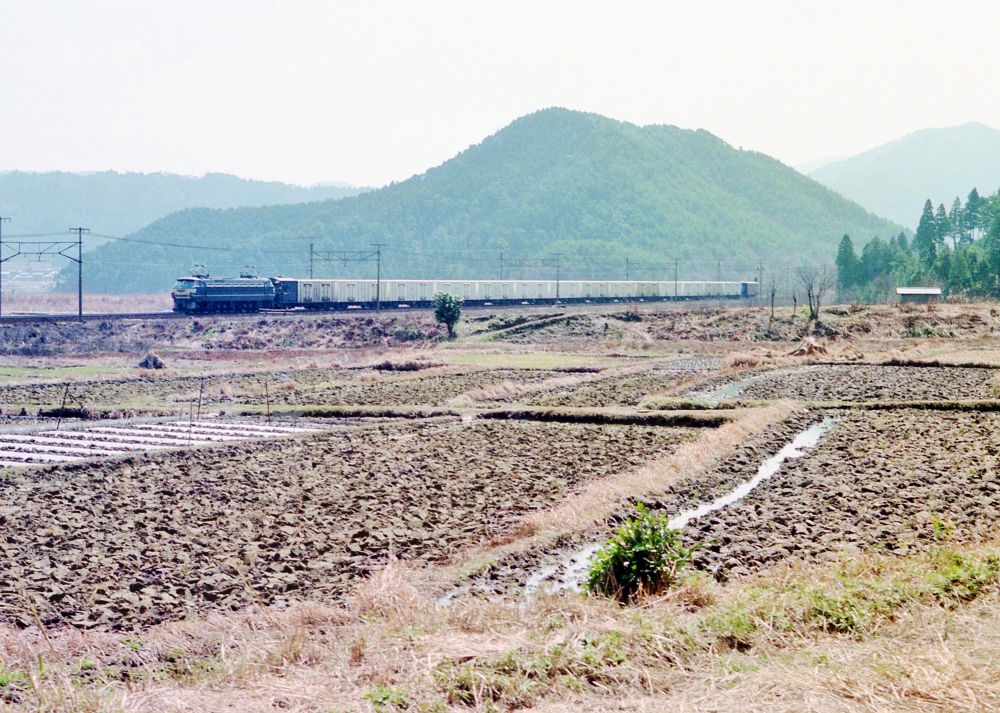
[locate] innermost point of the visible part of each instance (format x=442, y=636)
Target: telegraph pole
x=378, y=275
x=79, y=268
x=558, y=258
x=310, y=260
x=626, y=269
x=501, y=266
x=675, y=280
x=1, y=263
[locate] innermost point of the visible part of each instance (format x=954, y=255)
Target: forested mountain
x=111, y=203
x=896, y=178
x=557, y=182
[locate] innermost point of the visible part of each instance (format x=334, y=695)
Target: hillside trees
x=969, y=265
x=870, y=276
x=596, y=190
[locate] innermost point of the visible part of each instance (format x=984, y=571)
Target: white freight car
x=347, y=294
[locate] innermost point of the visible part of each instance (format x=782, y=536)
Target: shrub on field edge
x=643, y=557
x=447, y=311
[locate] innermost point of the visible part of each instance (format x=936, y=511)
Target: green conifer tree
x=956, y=223
x=847, y=265
x=925, y=240
x=970, y=216
x=943, y=225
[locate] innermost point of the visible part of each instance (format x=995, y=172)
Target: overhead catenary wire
x=470, y=255
x=408, y=261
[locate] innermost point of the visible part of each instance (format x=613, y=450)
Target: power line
x=1, y=263
x=50, y=247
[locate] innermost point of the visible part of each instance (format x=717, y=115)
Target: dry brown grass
x=512, y=389
x=749, y=360
x=65, y=303
x=925, y=651
x=761, y=357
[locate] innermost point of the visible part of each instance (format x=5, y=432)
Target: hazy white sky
x=370, y=92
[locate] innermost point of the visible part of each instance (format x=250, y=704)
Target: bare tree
x=816, y=283
x=825, y=282
x=807, y=278
x=772, y=289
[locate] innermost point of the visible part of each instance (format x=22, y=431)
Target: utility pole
x=558, y=258
x=378, y=275
x=626, y=269
x=1, y=263
x=675, y=280
x=346, y=256
x=79, y=268
x=501, y=266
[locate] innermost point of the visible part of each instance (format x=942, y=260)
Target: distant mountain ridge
x=114, y=203
x=556, y=182
x=894, y=180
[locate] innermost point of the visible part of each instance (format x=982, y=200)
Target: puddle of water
x=807, y=439
x=565, y=575
x=720, y=393
x=568, y=574
x=729, y=391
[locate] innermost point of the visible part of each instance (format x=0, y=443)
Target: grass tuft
x=518, y=678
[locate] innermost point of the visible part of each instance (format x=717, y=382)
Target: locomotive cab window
x=185, y=285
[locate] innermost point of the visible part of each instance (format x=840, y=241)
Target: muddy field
x=625, y=390
x=887, y=480
x=290, y=387
x=435, y=389
x=166, y=389
x=509, y=576
x=854, y=382
x=890, y=481
x=147, y=538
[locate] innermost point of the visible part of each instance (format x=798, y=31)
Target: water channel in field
x=569, y=572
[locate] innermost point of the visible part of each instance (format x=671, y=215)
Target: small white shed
x=919, y=295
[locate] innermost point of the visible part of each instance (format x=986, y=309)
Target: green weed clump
x=518, y=678
x=386, y=698
x=860, y=597
x=644, y=557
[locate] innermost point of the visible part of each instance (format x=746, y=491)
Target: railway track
x=12, y=318
x=299, y=313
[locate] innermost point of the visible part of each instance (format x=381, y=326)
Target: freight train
x=252, y=294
